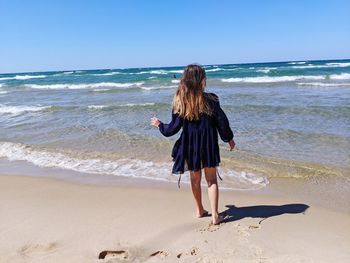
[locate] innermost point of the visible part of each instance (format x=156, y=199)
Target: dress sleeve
x=173, y=127
x=223, y=124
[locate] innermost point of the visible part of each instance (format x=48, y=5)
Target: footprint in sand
x=210, y=228
x=254, y=226
x=38, y=250
x=160, y=254
x=117, y=254
x=194, y=251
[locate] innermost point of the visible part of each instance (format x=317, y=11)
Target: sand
x=48, y=220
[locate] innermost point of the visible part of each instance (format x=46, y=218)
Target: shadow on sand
x=233, y=213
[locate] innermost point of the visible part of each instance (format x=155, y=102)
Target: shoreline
x=47, y=219
x=330, y=193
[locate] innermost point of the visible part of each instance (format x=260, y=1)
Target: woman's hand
x=231, y=144
x=155, y=122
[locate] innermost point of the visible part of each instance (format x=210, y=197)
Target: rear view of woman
x=201, y=118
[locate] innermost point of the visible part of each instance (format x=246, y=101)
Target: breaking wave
x=286, y=78
x=16, y=110
x=84, y=86
x=125, y=167
x=24, y=77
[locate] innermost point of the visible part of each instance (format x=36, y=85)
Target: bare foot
x=202, y=213
x=217, y=219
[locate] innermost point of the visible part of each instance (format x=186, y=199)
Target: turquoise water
x=290, y=119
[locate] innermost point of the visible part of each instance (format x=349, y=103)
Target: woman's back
x=198, y=146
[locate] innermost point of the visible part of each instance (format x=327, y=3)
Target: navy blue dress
x=198, y=145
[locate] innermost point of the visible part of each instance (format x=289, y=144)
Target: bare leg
x=213, y=193
x=197, y=191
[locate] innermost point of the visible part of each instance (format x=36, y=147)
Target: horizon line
x=178, y=66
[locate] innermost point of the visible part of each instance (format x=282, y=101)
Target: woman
x=201, y=118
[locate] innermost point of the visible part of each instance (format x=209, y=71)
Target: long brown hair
x=190, y=100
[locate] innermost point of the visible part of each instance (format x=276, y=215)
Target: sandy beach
x=48, y=220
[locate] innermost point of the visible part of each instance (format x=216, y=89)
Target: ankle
x=215, y=215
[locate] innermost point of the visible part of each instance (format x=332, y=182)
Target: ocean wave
x=266, y=70
x=151, y=77
x=267, y=79
x=214, y=69
x=126, y=167
x=271, y=79
x=175, y=81
x=341, y=76
x=297, y=63
x=158, y=87
x=17, y=110
x=328, y=65
x=322, y=84
x=101, y=90
x=3, y=91
x=84, y=86
x=121, y=105
x=179, y=71
x=24, y=77
x=221, y=69
x=97, y=106
x=157, y=72
x=109, y=73
x=339, y=64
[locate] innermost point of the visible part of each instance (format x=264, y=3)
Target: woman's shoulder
x=211, y=96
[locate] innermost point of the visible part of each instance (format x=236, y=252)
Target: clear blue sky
x=40, y=35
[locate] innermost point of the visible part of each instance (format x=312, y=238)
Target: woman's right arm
x=169, y=129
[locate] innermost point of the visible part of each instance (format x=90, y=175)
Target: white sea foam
x=175, y=81
x=125, y=167
x=322, y=84
x=16, y=110
x=161, y=72
x=97, y=106
x=156, y=72
x=221, y=69
x=263, y=70
x=3, y=91
x=121, y=105
x=101, y=90
x=318, y=66
x=339, y=64
x=158, y=87
x=341, y=76
x=327, y=65
x=179, y=71
x=151, y=77
x=24, y=77
x=137, y=104
x=109, y=74
x=243, y=180
x=214, y=69
x=297, y=63
x=84, y=86
x=266, y=70
x=272, y=79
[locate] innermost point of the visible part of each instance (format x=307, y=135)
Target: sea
x=290, y=120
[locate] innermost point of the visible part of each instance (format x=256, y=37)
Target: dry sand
x=47, y=220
